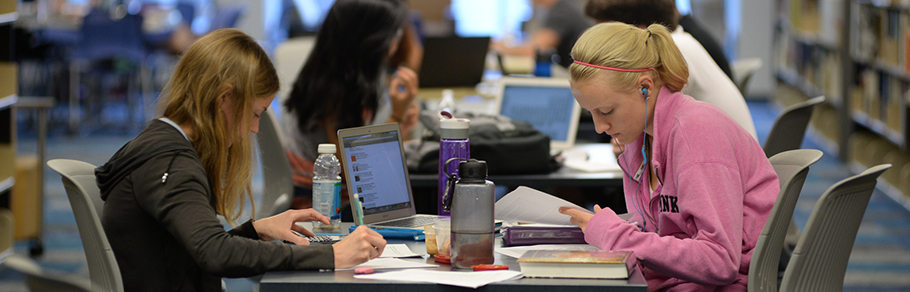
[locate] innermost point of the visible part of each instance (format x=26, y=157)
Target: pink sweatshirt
x=702, y=221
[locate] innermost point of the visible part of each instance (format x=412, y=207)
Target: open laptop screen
x=545, y=103
x=543, y=107
x=375, y=170
x=453, y=61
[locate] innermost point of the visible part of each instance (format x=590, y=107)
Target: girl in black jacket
x=164, y=189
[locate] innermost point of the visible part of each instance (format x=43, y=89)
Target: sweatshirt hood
x=157, y=138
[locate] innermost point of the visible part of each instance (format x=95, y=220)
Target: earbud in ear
x=644, y=91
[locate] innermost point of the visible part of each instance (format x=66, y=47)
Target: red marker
x=489, y=267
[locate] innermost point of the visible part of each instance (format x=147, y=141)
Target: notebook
x=374, y=167
x=453, y=61
x=545, y=103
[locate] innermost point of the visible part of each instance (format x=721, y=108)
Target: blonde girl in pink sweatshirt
x=699, y=186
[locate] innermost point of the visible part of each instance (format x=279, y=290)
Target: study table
x=425, y=186
x=563, y=177
x=343, y=280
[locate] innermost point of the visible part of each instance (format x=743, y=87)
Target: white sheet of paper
x=393, y=263
x=525, y=204
x=517, y=251
x=591, y=158
x=462, y=279
x=591, y=166
x=400, y=250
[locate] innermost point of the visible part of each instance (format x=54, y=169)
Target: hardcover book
x=595, y=264
x=532, y=235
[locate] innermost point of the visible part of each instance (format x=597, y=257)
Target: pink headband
x=611, y=68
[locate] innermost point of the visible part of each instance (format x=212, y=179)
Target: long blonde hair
x=224, y=62
x=619, y=45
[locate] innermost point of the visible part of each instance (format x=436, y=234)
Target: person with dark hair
x=563, y=23
x=349, y=80
x=699, y=187
x=707, y=82
x=163, y=191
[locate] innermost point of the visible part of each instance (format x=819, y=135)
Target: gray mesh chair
x=40, y=280
x=820, y=258
x=787, y=133
x=743, y=69
x=789, y=128
x=276, y=170
x=85, y=198
x=791, y=168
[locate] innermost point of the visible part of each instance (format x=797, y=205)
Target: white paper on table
x=588, y=160
x=393, y=263
x=454, y=278
x=517, y=251
x=525, y=204
x=400, y=250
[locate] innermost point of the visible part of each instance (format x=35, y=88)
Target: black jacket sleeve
x=183, y=207
x=246, y=230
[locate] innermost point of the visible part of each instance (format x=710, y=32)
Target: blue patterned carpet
x=880, y=260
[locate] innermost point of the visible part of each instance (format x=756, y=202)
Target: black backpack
x=508, y=146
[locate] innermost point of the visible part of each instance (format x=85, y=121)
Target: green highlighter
x=358, y=210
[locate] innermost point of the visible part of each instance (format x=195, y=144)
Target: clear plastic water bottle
x=327, y=186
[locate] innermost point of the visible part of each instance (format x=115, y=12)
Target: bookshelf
x=8, y=83
x=879, y=53
x=856, y=53
x=811, y=57
x=7, y=100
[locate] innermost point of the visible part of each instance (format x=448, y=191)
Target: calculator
x=325, y=239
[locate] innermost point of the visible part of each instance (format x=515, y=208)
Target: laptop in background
x=545, y=103
x=453, y=61
x=375, y=168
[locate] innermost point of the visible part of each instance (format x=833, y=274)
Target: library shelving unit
x=7, y=129
x=856, y=53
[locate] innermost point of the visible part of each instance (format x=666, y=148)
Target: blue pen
x=358, y=209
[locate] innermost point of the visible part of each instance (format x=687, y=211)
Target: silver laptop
x=545, y=103
x=374, y=167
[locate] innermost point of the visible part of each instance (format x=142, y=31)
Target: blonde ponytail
x=621, y=46
x=672, y=70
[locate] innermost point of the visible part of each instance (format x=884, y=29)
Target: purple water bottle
x=453, y=143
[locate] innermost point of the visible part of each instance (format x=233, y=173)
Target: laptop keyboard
x=409, y=222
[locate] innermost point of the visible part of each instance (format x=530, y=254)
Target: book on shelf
x=592, y=264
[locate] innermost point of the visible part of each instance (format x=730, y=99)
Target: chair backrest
x=7, y=231
x=85, y=198
x=791, y=168
x=820, y=258
x=743, y=69
x=102, y=37
x=789, y=128
x=289, y=58
x=226, y=16
x=187, y=12
x=37, y=279
x=276, y=170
